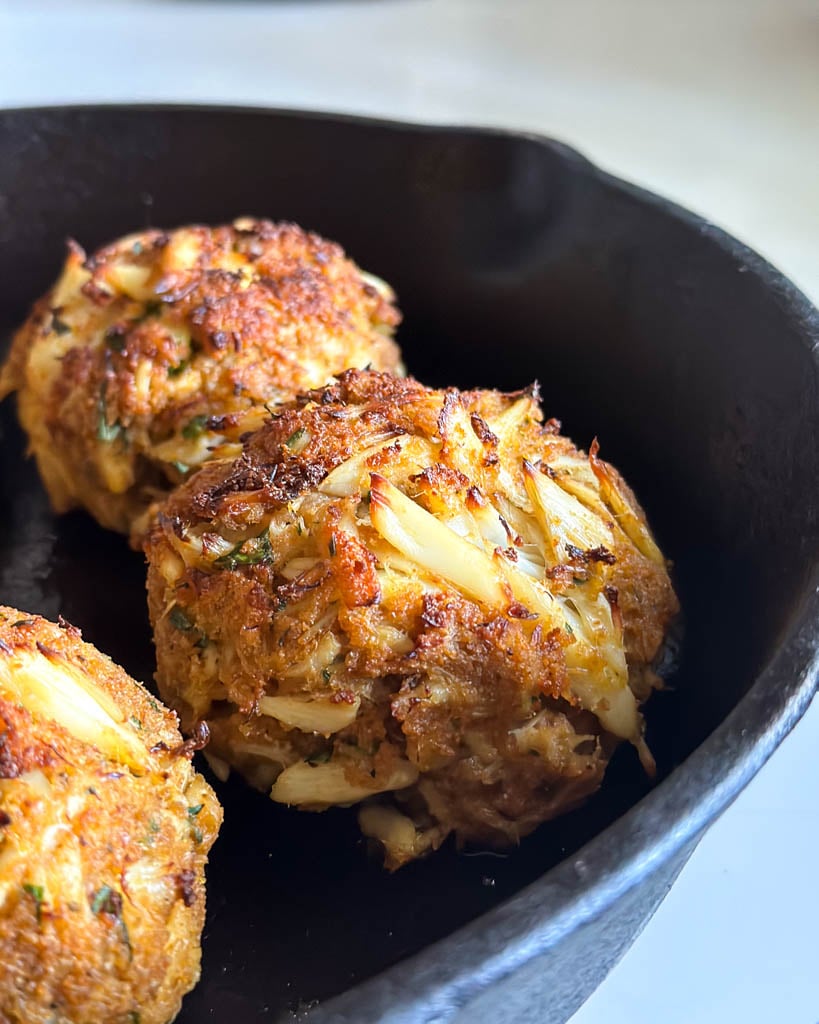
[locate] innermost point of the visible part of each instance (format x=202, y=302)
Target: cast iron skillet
x=693, y=361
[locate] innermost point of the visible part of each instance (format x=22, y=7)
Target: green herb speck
x=180, y=620
x=320, y=757
x=106, y=901
x=174, y=371
x=126, y=938
x=254, y=551
x=181, y=467
x=36, y=892
x=106, y=431
x=195, y=427
x=296, y=438
x=193, y=811
x=59, y=326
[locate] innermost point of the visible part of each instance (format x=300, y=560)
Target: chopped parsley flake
x=180, y=620
x=36, y=892
x=126, y=937
x=106, y=901
x=194, y=428
x=254, y=551
x=175, y=371
x=320, y=757
x=106, y=431
x=193, y=811
x=297, y=439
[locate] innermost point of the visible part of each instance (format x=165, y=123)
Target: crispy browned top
x=133, y=365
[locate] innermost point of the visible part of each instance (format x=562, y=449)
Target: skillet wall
x=513, y=260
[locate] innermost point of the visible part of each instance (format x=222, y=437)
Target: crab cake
x=105, y=829
x=150, y=353
x=428, y=602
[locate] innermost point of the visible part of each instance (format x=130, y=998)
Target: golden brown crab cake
x=105, y=829
x=150, y=353
x=427, y=601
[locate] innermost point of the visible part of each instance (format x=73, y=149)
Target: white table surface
x=715, y=104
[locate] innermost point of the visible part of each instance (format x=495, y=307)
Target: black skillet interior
x=513, y=259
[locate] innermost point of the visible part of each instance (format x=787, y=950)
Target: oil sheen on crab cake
x=428, y=603
x=105, y=829
x=146, y=355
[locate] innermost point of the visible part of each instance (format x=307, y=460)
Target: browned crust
x=448, y=699
x=80, y=937
x=211, y=341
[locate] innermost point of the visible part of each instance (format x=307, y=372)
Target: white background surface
x=715, y=104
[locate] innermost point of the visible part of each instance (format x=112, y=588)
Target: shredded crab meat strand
x=317, y=715
x=54, y=689
x=419, y=536
x=297, y=567
x=350, y=476
x=633, y=526
x=327, y=784
x=325, y=652
x=189, y=452
x=509, y=422
x=563, y=519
